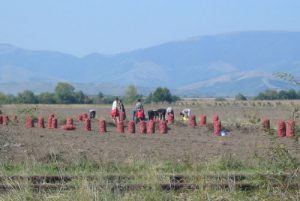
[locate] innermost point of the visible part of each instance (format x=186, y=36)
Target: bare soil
x=182, y=143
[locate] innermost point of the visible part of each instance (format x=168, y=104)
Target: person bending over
x=185, y=114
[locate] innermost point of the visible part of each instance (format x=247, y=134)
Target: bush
x=281, y=95
x=108, y=99
x=220, y=99
x=240, y=97
x=161, y=94
x=131, y=94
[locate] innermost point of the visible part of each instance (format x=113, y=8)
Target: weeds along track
x=167, y=182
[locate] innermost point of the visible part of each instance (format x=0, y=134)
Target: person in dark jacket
x=122, y=110
x=138, y=112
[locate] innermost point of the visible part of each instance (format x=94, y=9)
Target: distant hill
x=216, y=65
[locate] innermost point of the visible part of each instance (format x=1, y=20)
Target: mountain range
x=214, y=65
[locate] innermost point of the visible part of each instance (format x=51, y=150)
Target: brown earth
x=182, y=143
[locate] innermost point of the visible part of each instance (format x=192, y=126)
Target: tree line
x=272, y=94
x=278, y=95
x=64, y=93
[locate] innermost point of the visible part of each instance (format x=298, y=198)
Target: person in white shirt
x=115, y=111
x=185, y=113
x=170, y=110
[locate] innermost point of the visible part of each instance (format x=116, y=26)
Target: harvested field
x=184, y=164
x=182, y=143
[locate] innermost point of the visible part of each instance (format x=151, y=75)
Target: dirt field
x=182, y=143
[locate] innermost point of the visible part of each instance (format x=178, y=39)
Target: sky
x=81, y=27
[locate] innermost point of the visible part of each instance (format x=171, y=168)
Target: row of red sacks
x=144, y=127
x=52, y=124
x=283, y=128
x=4, y=119
x=216, y=123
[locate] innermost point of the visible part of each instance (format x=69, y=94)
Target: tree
x=64, y=93
x=27, y=97
x=161, y=95
x=149, y=98
x=100, y=95
x=283, y=95
x=108, y=99
x=46, y=98
x=271, y=94
x=240, y=97
x=80, y=97
x=3, y=98
x=98, y=99
x=267, y=95
x=288, y=77
x=220, y=99
x=11, y=99
x=131, y=94
x=292, y=94
x=175, y=98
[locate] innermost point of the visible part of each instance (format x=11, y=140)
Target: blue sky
x=81, y=27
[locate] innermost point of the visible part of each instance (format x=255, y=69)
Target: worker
x=115, y=110
x=121, y=110
x=170, y=110
x=92, y=113
x=138, y=112
x=185, y=114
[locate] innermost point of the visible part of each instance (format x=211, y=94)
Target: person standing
x=115, y=110
x=138, y=112
x=122, y=110
x=170, y=110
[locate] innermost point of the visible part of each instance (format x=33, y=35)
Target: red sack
x=140, y=114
